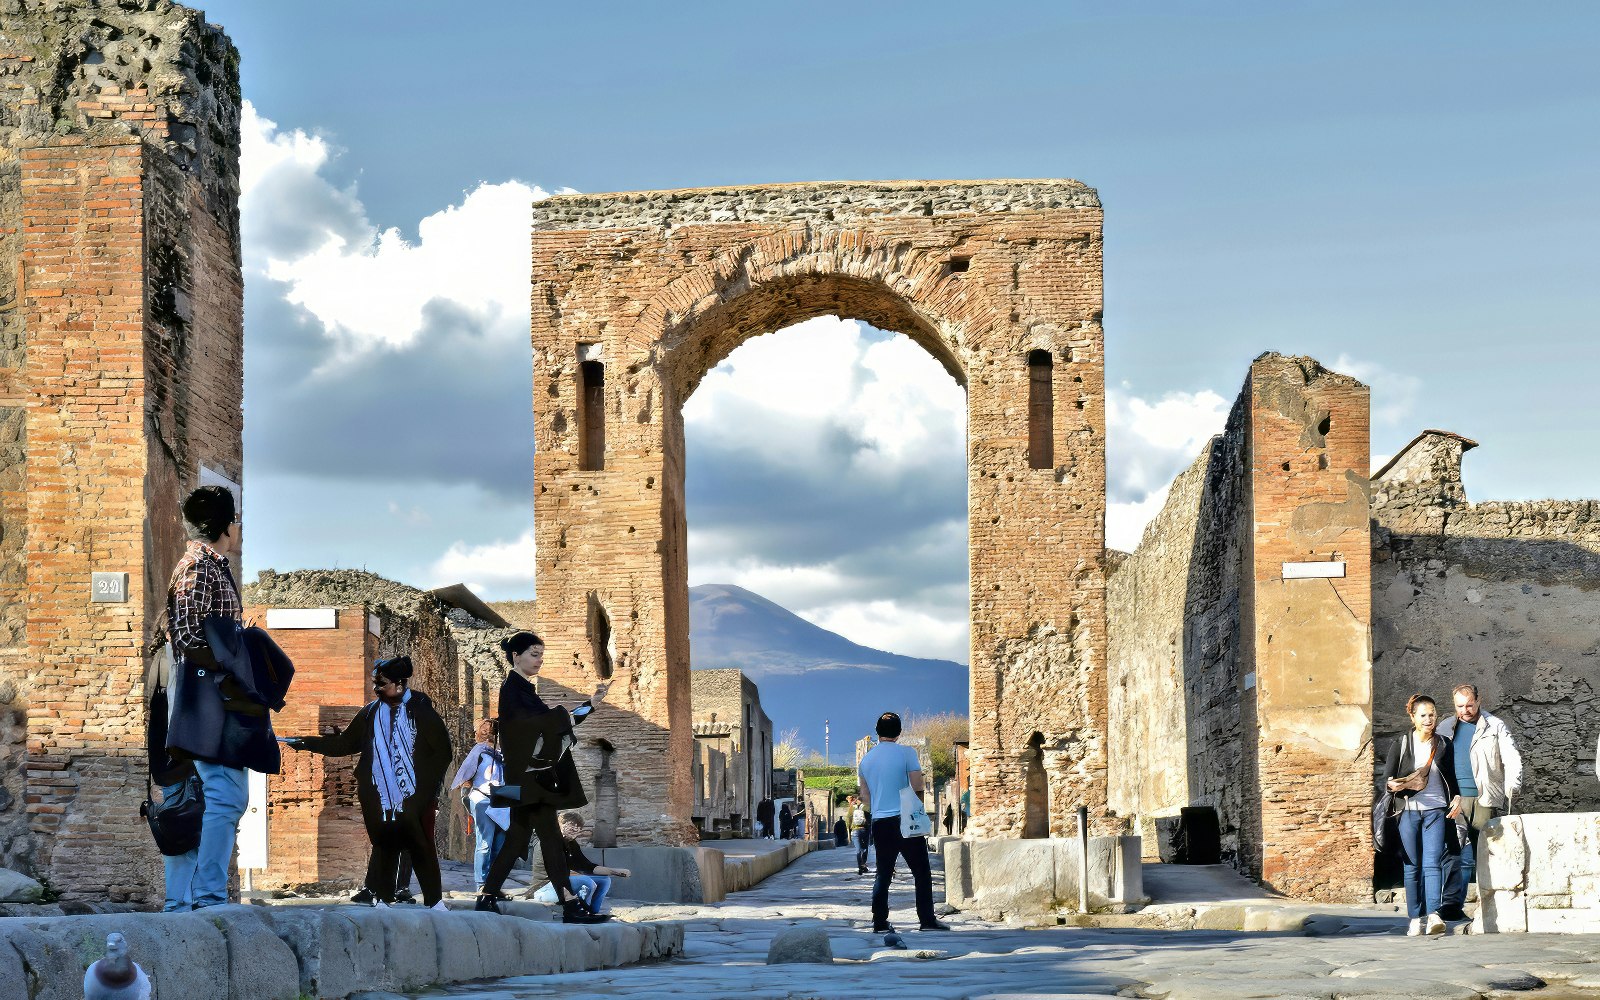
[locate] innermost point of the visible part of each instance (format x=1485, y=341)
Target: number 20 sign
x=108, y=588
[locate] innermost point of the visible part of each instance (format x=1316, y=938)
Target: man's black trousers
x=890, y=845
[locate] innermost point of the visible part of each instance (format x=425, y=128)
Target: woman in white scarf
x=404, y=750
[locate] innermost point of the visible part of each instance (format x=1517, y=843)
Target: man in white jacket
x=1489, y=771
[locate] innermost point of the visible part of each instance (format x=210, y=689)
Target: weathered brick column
x=637, y=296
x=121, y=376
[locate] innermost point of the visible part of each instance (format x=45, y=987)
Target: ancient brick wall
x=728, y=697
x=658, y=287
x=1501, y=594
x=120, y=337
x=1273, y=670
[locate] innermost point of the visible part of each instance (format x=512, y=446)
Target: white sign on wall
x=302, y=618
x=1323, y=570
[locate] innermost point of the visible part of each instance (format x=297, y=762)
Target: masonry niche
x=659, y=287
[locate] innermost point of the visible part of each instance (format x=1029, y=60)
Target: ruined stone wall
x=659, y=287
x=457, y=660
x=120, y=336
x=1501, y=594
x=1234, y=684
x=1181, y=692
x=735, y=701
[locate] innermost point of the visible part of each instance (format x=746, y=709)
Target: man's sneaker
x=1414, y=929
x=1435, y=924
x=935, y=926
x=487, y=903
x=404, y=896
x=363, y=897
x=1452, y=913
x=576, y=911
x=883, y=928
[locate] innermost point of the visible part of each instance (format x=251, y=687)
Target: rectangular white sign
x=302, y=618
x=1323, y=570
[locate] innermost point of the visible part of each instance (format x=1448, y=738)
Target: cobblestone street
x=726, y=947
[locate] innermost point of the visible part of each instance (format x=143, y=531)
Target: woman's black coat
x=1400, y=762
x=520, y=705
x=430, y=754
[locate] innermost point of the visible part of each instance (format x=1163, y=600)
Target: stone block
x=666, y=874
x=338, y=950
x=182, y=953
x=1017, y=878
x=800, y=945
x=410, y=947
x=1568, y=921
x=1502, y=911
x=1502, y=855
x=16, y=887
x=260, y=964
x=460, y=950
x=958, y=874
x=499, y=944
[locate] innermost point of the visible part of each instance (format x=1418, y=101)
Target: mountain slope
x=807, y=673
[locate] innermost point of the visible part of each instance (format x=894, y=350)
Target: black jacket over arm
x=1400, y=762
x=524, y=717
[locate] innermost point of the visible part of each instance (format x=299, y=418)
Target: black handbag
x=175, y=820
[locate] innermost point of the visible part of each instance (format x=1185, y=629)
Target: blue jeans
x=1422, y=847
x=179, y=868
x=598, y=885
x=227, y=794
x=1462, y=869
x=487, y=838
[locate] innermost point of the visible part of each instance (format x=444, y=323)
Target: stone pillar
x=1311, y=635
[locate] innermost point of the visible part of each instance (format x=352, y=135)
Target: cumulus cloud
x=503, y=567
x=1148, y=443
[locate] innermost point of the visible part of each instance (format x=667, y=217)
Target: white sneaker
x=1435, y=924
x=1415, y=930
x=440, y=907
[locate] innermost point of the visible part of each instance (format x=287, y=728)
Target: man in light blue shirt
x=884, y=771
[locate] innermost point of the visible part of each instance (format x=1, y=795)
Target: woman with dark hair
x=535, y=738
x=405, y=751
x=1420, y=771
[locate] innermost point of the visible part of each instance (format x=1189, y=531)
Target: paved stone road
x=727, y=947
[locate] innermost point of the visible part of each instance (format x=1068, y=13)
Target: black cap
x=396, y=668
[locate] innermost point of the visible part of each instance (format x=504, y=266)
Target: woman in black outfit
x=404, y=750
x=546, y=788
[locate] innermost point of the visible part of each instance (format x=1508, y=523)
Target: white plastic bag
x=914, y=820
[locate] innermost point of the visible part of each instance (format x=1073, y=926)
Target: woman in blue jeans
x=482, y=769
x=1420, y=771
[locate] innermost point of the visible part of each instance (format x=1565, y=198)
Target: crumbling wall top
x=832, y=201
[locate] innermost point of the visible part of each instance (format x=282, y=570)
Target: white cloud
x=893, y=626
x=500, y=568
x=1126, y=520
x=1394, y=395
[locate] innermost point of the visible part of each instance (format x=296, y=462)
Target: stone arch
x=659, y=287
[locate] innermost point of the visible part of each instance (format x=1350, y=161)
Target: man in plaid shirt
x=203, y=586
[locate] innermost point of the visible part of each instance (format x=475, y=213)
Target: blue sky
x=1405, y=192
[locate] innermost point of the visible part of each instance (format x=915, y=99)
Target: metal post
x=1083, y=859
x=827, y=754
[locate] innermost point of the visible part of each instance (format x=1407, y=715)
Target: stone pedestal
x=1031, y=881
x=1540, y=874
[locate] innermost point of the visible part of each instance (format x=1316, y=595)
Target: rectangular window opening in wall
x=591, y=416
x=1041, y=411
x=958, y=265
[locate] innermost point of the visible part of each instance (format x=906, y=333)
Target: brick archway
x=637, y=296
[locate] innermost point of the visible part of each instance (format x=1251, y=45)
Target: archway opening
x=826, y=507
x=1036, y=793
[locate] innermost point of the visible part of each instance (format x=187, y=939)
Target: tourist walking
x=483, y=768
x=1488, y=769
x=405, y=751
x=785, y=823
x=764, y=823
x=860, y=832
x=223, y=727
x=1420, y=771
x=546, y=778
x=883, y=773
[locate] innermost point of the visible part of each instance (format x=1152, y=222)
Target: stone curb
x=268, y=953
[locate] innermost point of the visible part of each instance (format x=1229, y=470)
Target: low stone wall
x=1540, y=874
x=739, y=874
x=283, y=953
x=1030, y=881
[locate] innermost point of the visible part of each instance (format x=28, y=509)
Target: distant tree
x=942, y=732
x=788, y=751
